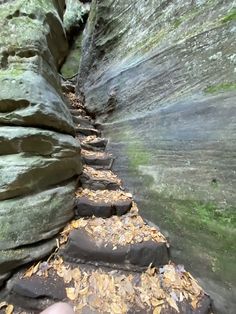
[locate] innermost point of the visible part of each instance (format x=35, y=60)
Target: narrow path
x=108, y=259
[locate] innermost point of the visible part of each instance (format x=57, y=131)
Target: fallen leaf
x=172, y=303
x=70, y=292
x=116, y=309
x=151, y=270
x=157, y=310
x=156, y=302
x=194, y=304
x=32, y=270
x=76, y=274
x=9, y=309
x=83, y=291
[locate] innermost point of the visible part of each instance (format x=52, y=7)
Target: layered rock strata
x=39, y=156
x=162, y=74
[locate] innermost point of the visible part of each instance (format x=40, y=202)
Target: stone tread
x=121, y=240
x=166, y=290
x=87, y=131
x=98, y=159
x=101, y=203
x=93, y=143
x=105, y=196
x=99, y=179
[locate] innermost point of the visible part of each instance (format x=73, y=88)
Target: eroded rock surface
x=159, y=62
x=162, y=75
x=39, y=156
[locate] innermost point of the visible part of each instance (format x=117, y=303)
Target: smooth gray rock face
x=39, y=158
x=162, y=75
x=150, y=69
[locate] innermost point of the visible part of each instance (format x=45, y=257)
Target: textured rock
x=158, y=76
x=81, y=247
x=74, y=17
x=40, y=287
x=162, y=75
x=39, y=158
x=36, y=217
x=85, y=207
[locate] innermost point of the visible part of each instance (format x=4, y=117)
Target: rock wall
x=39, y=159
x=162, y=75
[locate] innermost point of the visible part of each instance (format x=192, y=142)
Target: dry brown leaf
x=67, y=275
x=78, y=307
x=155, y=302
x=172, y=303
x=83, y=291
x=157, y=310
x=71, y=294
x=32, y=270
x=9, y=309
x=76, y=274
x=151, y=270
x=116, y=309
x=194, y=303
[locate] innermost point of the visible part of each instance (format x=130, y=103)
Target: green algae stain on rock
x=231, y=86
x=71, y=65
x=231, y=16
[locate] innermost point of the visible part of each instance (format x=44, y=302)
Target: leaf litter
x=97, y=154
x=117, y=292
x=89, y=139
x=105, y=196
x=101, y=174
x=118, y=230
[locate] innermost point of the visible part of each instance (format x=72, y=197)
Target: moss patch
x=231, y=16
x=202, y=231
x=71, y=65
x=220, y=87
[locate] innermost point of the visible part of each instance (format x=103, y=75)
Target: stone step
x=83, y=122
x=98, y=160
x=166, y=290
x=102, y=203
x=99, y=179
x=79, y=112
x=119, y=242
x=87, y=131
x=94, y=143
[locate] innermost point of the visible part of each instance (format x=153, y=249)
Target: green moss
x=231, y=16
x=135, y=150
x=15, y=71
x=177, y=23
x=137, y=154
x=203, y=231
x=71, y=65
x=210, y=213
x=220, y=87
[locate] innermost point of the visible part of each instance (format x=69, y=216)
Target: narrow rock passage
x=108, y=259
